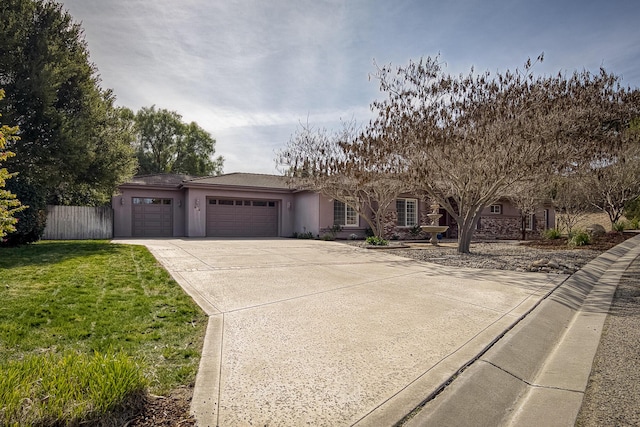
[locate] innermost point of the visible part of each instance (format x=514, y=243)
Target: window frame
x=492, y=209
x=349, y=214
x=405, y=215
x=531, y=222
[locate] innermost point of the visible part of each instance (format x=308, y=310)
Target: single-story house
x=257, y=205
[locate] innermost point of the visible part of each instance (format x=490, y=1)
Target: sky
x=251, y=71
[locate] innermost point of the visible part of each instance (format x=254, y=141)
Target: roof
x=240, y=179
x=159, y=180
x=237, y=179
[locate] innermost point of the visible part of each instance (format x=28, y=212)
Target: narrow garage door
x=242, y=218
x=152, y=217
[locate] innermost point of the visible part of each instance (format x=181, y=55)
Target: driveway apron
x=306, y=332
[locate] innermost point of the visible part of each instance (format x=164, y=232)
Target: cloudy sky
x=249, y=71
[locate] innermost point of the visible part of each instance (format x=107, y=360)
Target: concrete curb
x=537, y=373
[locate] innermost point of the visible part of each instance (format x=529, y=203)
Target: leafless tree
x=615, y=179
x=527, y=197
x=570, y=201
x=466, y=140
x=324, y=161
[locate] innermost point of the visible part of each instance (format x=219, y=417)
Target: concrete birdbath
x=434, y=228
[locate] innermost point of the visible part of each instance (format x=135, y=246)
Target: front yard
x=82, y=300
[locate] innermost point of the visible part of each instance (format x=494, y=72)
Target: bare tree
x=609, y=186
x=527, y=196
x=570, y=201
x=324, y=161
x=466, y=140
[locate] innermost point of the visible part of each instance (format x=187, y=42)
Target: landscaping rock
x=596, y=230
x=540, y=263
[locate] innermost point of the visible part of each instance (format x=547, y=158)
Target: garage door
x=152, y=217
x=242, y=218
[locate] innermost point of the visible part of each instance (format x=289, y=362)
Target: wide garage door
x=152, y=217
x=242, y=218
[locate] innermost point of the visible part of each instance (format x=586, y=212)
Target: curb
x=538, y=372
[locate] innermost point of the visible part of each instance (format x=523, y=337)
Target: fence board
x=78, y=222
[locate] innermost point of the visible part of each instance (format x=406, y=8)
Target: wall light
x=197, y=203
x=179, y=203
x=122, y=200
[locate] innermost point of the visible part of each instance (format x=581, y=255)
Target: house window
x=495, y=209
x=531, y=222
x=407, y=212
x=150, y=201
x=344, y=215
x=546, y=219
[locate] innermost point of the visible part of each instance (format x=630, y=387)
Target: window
x=150, y=201
x=344, y=214
x=495, y=209
x=531, y=222
x=546, y=219
x=407, y=212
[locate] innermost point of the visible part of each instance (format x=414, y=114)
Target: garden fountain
x=434, y=228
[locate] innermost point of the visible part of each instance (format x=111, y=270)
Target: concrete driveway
x=306, y=332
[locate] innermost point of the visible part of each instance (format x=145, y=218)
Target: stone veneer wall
x=505, y=227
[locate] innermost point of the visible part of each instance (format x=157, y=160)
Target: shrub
x=376, y=241
x=31, y=221
x=305, y=235
x=619, y=226
x=328, y=237
x=415, y=230
x=552, y=234
x=632, y=209
x=634, y=224
x=579, y=238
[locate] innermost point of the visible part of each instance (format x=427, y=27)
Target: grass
x=85, y=300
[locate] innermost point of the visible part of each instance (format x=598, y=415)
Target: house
x=257, y=205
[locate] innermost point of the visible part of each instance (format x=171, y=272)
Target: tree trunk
x=464, y=240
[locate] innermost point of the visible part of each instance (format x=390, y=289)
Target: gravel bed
x=499, y=255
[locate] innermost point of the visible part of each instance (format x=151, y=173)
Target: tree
x=9, y=204
x=323, y=161
x=527, y=196
x=466, y=140
x=165, y=144
x=71, y=144
x=569, y=201
x=612, y=179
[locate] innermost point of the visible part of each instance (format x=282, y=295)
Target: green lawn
x=93, y=296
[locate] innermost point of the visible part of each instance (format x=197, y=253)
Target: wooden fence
x=78, y=222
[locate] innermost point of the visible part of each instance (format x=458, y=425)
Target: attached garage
x=152, y=217
x=242, y=218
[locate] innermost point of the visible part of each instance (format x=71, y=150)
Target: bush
x=579, y=238
x=31, y=221
x=619, y=226
x=552, y=234
x=305, y=235
x=376, y=241
x=415, y=230
x=632, y=209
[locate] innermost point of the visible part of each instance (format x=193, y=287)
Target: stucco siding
x=306, y=213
